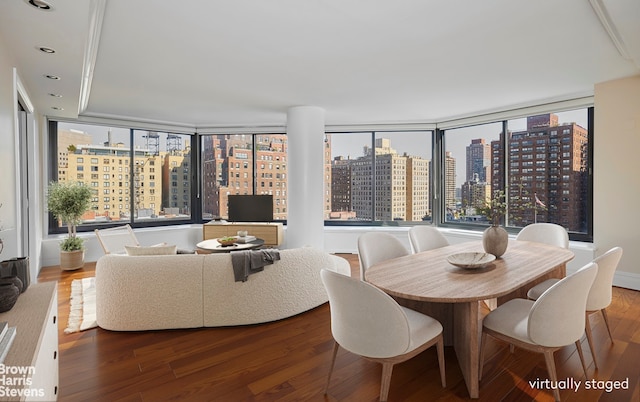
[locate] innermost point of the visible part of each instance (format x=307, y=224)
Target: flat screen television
x=250, y=208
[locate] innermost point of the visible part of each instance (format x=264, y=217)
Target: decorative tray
x=227, y=241
x=471, y=260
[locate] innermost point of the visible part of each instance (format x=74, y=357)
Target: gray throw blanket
x=247, y=262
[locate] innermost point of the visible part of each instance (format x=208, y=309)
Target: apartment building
x=548, y=175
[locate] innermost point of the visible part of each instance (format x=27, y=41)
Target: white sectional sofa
x=135, y=293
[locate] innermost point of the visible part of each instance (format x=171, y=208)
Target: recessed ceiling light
x=56, y=95
x=45, y=49
x=39, y=4
x=52, y=77
x=57, y=108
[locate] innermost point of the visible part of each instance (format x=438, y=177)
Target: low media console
x=271, y=233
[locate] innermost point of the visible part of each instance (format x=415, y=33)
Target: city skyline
x=404, y=147
x=413, y=142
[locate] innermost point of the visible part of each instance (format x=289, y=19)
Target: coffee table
x=212, y=246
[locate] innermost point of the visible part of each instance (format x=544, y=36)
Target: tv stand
x=271, y=232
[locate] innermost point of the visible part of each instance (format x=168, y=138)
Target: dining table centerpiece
x=495, y=238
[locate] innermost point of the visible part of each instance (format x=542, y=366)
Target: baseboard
x=627, y=280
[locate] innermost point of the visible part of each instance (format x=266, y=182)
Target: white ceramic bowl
x=471, y=260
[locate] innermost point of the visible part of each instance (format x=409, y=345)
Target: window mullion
x=373, y=177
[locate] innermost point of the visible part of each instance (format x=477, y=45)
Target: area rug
x=82, y=315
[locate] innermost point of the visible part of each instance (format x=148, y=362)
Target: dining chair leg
x=587, y=329
x=606, y=322
x=387, y=369
x=551, y=368
x=440, y=349
x=584, y=366
x=333, y=363
x=483, y=345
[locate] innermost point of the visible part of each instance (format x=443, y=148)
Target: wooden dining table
x=427, y=282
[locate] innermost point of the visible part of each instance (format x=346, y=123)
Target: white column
x=305, y=170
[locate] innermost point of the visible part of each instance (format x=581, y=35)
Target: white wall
x=183, y=236
x=10, y=221
x=616, y=172
x=8, y=183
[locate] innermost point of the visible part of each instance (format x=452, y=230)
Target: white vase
x=495, y=240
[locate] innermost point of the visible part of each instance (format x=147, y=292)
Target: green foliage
x=68, y=201
x=72, y=244
x=495, y=208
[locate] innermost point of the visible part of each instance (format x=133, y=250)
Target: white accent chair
x=555, y=320
x=368, y=322
x=114, y=240
x=547, y=233
x=375, y=247
x=599, y=296
x=423, y=238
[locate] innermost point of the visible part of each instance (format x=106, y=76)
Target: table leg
x=462, y=329
x=466, y=342
x=442, y=312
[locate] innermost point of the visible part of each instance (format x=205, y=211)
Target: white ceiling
x=204, y=63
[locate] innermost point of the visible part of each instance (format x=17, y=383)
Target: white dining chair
x=599, y=295
x=368, y=322
x=553, y=321
x=547, y=233
x=424, y=238
x=375, y=247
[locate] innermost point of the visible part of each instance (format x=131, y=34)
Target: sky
x=100, y=134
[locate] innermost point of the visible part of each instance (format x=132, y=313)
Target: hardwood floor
x=289, y=360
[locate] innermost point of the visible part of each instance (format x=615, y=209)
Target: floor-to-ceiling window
x=467, y=171
x=540, y=164
x=140, y=177
x=380, y=177
x=243, y=164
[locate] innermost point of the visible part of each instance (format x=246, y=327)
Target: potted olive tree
x=68, y=201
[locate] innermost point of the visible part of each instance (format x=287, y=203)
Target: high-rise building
x=362, y=187
x=391, y=187
x=547, y=176
x=450, y=181
x=341, y=184
x=212, y=162
x=106, y=170
x=475, y=193
x=401, y=185
x=176, y=182
x=418, y=196
x=228, y=168
x=328, y=178
x=478, y=161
